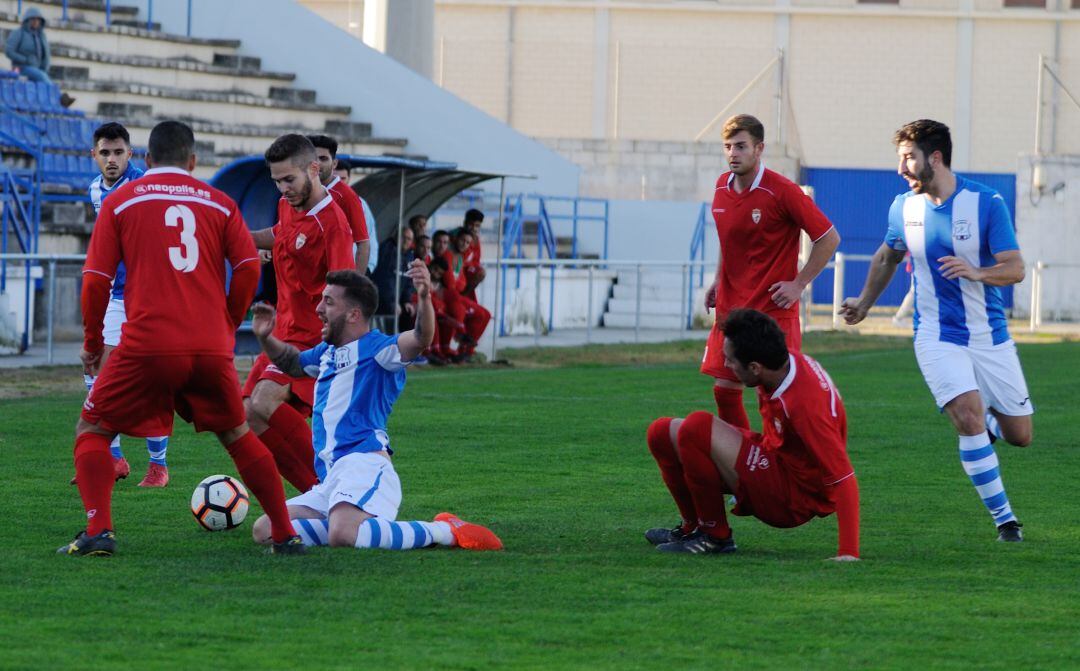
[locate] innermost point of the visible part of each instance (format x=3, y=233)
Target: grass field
x=550, y=453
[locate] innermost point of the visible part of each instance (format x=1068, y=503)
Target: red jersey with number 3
x=805, y=429
x=759, y=239
x=350, y=205
x=307, y=246
x=175, y=234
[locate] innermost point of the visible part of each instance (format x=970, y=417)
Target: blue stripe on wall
x=857, y=202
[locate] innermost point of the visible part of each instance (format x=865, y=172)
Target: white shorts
x=994, y=371
x=365, y=479
x=115, y=316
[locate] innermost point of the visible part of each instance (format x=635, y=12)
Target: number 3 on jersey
x=185, y=257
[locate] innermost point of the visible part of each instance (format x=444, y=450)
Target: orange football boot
x=470, y=536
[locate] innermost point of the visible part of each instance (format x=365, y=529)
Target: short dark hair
x=112, y=131
x=440, y=262
x=473, y=215
x=171, y=143
x=358, y=289
x=421, y=237
x=744, y=122
x=929, y=136
x=460, y=231
x=292, y=147
x=755, y=336
x=438, y=233
x=324, y=142
x=415, y=218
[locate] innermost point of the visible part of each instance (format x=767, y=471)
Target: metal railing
x=108, y=13
x=50, y=261
x=1038, y=269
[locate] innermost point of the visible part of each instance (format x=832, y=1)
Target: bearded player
x=366, y=249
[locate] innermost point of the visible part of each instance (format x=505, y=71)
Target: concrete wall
x=398, y=102
x=661, y=70
x=1049, y=231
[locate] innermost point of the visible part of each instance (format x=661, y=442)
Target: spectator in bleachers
x=28, y=49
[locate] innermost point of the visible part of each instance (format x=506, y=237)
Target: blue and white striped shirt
x=974, y=225
x=355, y=389
x=98, y=193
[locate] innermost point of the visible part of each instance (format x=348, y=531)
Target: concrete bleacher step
x=82, y=11
x=224, y=106
x=126, y=40
x=175, y=72
x=648, y=321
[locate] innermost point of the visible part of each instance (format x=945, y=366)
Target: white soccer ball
x=219, y=502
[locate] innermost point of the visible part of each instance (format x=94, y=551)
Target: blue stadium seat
x=7, y=92
x=8, y=74
x=19, y=100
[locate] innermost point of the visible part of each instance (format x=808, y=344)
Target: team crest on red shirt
x=779, y=426
x=756, y=215
x=300, y=240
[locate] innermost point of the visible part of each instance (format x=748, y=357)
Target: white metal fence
x=694, y=275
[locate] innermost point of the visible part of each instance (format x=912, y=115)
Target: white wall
x=1048, y=229
x=396, y=100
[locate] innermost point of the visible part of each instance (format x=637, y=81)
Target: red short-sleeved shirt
x=472, y=254
x=174, y=233
x=805, y=430
x=307, y=245
x=349, y=202
x=759, y=239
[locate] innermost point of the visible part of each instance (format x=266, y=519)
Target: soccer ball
x=219, y=502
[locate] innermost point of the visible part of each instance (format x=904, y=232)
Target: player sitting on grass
x=359, y=373
x=797, y=470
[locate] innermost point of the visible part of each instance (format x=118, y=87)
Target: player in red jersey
x=796, y=470
x=310, y=239
x=175, y=234
x=326, y=152
x=474, y=270
x=758, y=214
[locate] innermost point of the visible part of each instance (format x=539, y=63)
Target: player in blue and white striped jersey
x=963, y=248
x=112, y=153
x=359, y=373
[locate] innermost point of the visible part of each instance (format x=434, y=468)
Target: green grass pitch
x=550, y=453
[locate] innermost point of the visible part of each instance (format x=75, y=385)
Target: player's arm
x=847, y=519
x=785, y=294
x=244, y=258
x=1008, y=269
x=103, y=255
x=882, y=268
x=710, y=294
x=285, y=356
x=412, y=343
x=264, y=238
x=363, y=251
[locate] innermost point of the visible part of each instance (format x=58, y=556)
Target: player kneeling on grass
x=796, y=470
x=359, y=373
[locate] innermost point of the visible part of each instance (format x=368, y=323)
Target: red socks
x=94, y=476
x=702, y=478
x=663, y=450
x=256, y=467
x=729, y=406
x=847, y=517
x=289, y=440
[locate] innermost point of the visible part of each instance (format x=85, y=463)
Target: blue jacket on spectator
x=29, y=48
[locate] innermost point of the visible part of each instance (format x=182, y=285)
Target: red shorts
x=766, y=490
x=136, y=395
x=712, y=363
x=302, y=388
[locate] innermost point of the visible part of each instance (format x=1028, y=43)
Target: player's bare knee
x=341, y=537
x=1020, y=437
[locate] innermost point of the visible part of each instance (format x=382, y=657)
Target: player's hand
x=843, y=558
x=852, y=312
x=91, y=361
x=263, y=318
x=953, y=268
x=421, y=278
x=710, y=297
x=410, y=309
x=265, y=256
x=786, y=294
